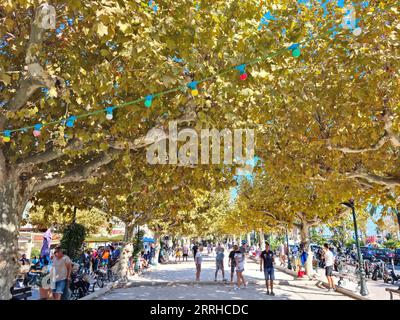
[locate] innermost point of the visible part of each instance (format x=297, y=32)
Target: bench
x=391, y=291
x=21, y=293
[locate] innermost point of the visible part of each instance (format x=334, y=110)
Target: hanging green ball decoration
x=296, y=53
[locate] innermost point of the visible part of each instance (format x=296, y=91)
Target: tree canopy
x=79, y=98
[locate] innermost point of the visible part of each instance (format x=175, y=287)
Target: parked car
x=367, y=252
x=315, y=247
x=384, y=254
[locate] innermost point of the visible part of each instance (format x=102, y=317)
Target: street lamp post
x=363, y=283
x=288, y=251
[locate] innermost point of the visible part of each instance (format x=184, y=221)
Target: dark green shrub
x=72, y=240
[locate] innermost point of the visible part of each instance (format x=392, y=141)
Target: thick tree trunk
x=305, y=241
x=304, y=235
x=122, y=266
x=128, y=231
x=126, y=253
x=249, y=239
x=11, y=207
x=157, y=237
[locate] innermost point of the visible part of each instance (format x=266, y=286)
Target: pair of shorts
x=185, y=254
x=269, y=274
x=328, y=271
x=240, y=269
x=60, y=286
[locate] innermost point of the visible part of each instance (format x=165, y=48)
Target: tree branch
x=388, y=136
x=374, y=179
x=37, y=77
x=388, y=121
x=77, y=175
x=50, y=154
x=381, y=142
x=2, y=167
x=155, y=135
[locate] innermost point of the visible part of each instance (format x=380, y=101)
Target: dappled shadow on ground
x=192, y=292
x=176, y=281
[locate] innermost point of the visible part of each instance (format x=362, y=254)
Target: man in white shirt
x=329, y=261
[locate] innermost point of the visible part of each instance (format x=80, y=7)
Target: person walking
x=219, y=260
x=329, y=261
x=267, y=264
x=104, y=257
x=239, y=262
x=231, y=261
x=194, y=249
x=61, y=272
x=185, y=251
x=178, y=253
x=198, y=259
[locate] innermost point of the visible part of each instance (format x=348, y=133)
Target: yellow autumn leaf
x=5, y=78
x=102, y=30
x=123, y=26
x=53, y=92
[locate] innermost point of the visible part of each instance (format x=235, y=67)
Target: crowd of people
x=236, y=262
x=52, y=272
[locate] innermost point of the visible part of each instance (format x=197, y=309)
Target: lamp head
x=349, y=204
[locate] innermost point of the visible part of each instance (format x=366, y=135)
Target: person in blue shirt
x=35, y=260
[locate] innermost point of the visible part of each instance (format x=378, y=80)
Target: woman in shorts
x=239, y=260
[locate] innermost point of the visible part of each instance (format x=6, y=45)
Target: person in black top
x=195, y=248
x=267, y=260
x=231, y=261
x=24, y=261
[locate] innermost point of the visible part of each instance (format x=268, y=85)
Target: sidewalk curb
x=115, y=285
x=317, y=282
x=343, y=291
x=101, y=292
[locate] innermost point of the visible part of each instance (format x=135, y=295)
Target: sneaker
x=267, y=293
x=329, y=290
x=272, y=293
x=236, y=288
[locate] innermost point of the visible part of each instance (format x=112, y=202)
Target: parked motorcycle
x=377, y=269
x=390, y=275
x=79, y=286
